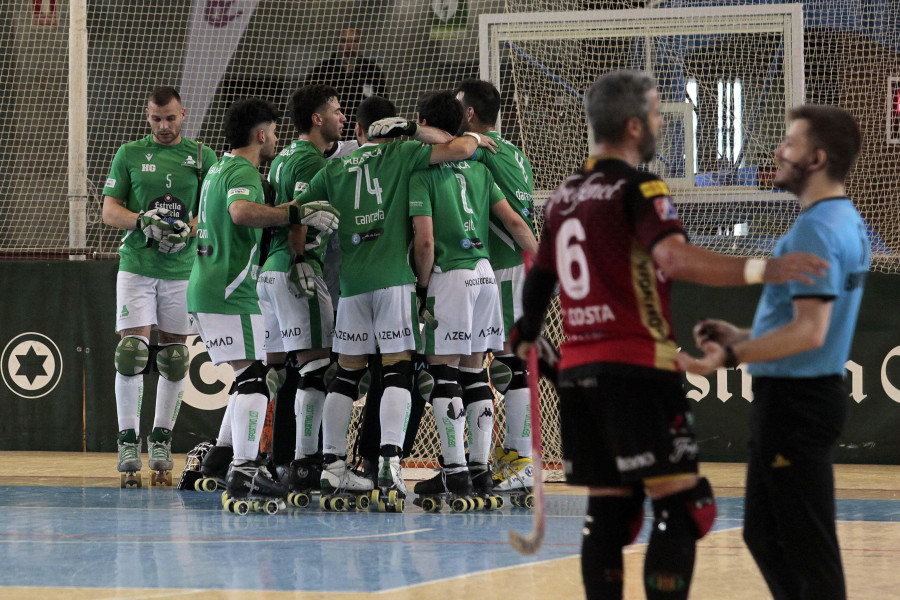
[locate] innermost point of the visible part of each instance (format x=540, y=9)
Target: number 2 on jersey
x=372, y=185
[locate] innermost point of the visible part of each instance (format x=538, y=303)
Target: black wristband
x=293, y=214
x=298, y=258
x=731, y=359
x=421, y=291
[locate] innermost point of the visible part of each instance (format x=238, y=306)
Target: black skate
x=483, y=484
x=452, y=486
x=214, y=469
x=390, y=489
x=342, y=488
x=249, y=486
x=303, y=479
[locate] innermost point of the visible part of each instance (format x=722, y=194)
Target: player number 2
x=571, y=262
x=372, y=185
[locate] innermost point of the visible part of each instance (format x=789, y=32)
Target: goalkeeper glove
x=301, y=280
x=391, y=127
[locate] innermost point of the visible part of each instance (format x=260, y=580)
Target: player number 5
x=571, y=263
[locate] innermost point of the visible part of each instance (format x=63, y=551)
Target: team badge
x=665, y=209
x=356, y=239
x=466, y=243
x=652, y=189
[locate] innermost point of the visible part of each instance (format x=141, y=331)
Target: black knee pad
x=397, y=375
x=445, y=381
x=346, y=382
x=519, y=372
x=252, y=380
x=312, y=374
x=692, y=510
x=612, y=523
x=475, y=387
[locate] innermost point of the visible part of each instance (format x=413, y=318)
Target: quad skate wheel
x=298, y=499
x=500, y=501
x=270, y=507
x=129, y=480
x=205, y=485
x=493, y=502
x=323, y=503
x=431, y=504
x=338, y=504
x=225, y=498
x=381, y=506
x=528, y=501
x=374, y=495
x=240, y=507
x=362, y=502
x=398, y=507
x=478, y=503
x=459, y=505
x=392, y=497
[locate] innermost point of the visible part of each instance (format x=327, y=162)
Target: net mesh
x=724, y=90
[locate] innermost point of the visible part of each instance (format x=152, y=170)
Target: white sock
x=451, y=429
x=309, y=406
x=481, y=429
x=224, y=438
x=336, y=414
x=394, y=414
x=247, y=422
x=168, y=401
x=129, y=395
x=518, y=421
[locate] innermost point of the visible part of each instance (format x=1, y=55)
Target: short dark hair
x=162, y=95
x=441, y=110
x=244, y=116
x=373, y=109
x=307, y=101
x=615, y=98
x=835, y=131
x=483, y=97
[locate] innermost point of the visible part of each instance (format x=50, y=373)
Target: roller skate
x=159, y=451
x=483, y=485
x=343, y=489
x=514, y=476
x=129, y=465
x=214, y=469
x=303, y=479
x=452, y=486
x=249, y=487
x=390, y=490
x=191, y=473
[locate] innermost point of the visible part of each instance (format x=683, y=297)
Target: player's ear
x=820, y=157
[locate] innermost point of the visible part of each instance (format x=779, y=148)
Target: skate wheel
x=459, y=505
x=431, y=504
x=398, y=507
x=381, y=506
x=374, y=496
x=338, y=504
x=225, y=498
x=129, y=480
x=500, y=501
x=517, y=501
x=298, y=499
x=494, y=502
x=323, y=503
x=240, y=507
x=528, y=501
x=478, y=503
x=205, y=485
x=362, y=502
x=270, y=507
x=392, y=497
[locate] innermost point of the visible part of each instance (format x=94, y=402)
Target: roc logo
x=31, y=365
x=466, y=243
x=356, y=239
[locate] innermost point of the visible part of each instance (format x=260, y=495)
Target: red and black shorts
x=622, y=424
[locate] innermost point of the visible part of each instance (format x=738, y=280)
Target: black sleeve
x=536, y=294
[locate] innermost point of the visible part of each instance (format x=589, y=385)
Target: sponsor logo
x=266, y=278
x=457, y=335
x=238, y=191
x=146, y=168
x=396, y=334
x=171, y=203
x=652, y=189
x=149, y=157
x=366, y=236
x=665, y=210
x=468, y=244
x=683, y=447
x=222, y=341
x=300, y=186
x=110, y=182
x=124, y=312
x=291, y=332
x=524, y=197
x=488, y=331
x=369, y=218
x=254, y=421
x=31, y=365
x=208, y=384
x=350, y=336
x=480, y=281
x=633, y=463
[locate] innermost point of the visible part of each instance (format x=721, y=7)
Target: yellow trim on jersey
x=652, y=189
x=649, y=305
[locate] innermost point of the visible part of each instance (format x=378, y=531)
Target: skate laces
x=159, y=450
x=128, y=451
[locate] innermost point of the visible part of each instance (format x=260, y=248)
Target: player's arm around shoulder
x=515, y=225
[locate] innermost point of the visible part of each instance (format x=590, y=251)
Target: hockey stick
x=532, y=543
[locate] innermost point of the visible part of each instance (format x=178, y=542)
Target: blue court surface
x=159, y=538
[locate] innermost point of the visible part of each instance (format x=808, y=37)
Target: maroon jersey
x=599, y=229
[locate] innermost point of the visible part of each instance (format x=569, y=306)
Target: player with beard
x=797, y=348
x=613, y=241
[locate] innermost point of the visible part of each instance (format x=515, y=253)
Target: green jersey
x=458, y=196
x=290, y=174
x=147, y=175
x=512, y=172
x=223, y=279
x=370, y=188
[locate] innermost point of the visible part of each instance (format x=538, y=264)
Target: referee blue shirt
x=834, y=230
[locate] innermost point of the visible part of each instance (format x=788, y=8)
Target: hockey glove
x=153, y=223
x=301, y=281
x=318, y=215
x=425, y=315
x=176, y=240
x=391, y=127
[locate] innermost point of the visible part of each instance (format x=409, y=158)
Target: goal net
x=76, y=74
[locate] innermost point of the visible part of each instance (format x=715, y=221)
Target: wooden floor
x=724, y=571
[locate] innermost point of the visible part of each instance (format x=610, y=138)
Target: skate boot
x=514, y=475
x=214, y=469
x=483, y=484
x=342, y=488
x=249, y=487
x=303, y=479
x=451, y=485
x=129, y=458
x=159, y=449
x=390, y=488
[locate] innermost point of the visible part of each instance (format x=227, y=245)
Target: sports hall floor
x=68, y=531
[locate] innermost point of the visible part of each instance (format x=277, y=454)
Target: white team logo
x=110, y=182
x=149, y=156
x=188, y=162
x=208, y=384
x=31, y=365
